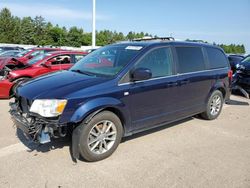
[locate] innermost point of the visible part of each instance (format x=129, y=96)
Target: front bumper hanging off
x=35, y=128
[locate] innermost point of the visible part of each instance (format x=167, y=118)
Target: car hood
x=6, y=60
x=57, y=85
x=243, y=68
x=246, y=65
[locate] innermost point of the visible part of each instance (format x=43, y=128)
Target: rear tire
x=100, y=137
x=214, y=106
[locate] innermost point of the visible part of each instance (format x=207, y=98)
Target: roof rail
x=198, y=41
x=154, y=38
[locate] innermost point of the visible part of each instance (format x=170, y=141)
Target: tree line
x=234, y=49
x=37, y=31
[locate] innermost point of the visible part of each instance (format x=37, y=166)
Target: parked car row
x=118, y=90
x=21, y=58
x=9, y=53
x=235, y=59
x=9, y=48
x=241, y=69
x=241, y=78
x=32, y=63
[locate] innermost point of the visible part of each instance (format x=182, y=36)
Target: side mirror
x=46, y=64
x=141, y=74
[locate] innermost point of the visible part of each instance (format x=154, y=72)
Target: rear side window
x=216, y=58
x=159, y=61
x=190, y=59
x=79, y=57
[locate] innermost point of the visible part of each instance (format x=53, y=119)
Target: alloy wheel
x=215, y=105
x=102, y=137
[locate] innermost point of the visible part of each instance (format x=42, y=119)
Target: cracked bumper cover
x=33, y=127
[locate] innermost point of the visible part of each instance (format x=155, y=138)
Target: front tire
x=100, y=137
x=214, y=106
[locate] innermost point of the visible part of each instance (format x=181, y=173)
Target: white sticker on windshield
x=134, y=48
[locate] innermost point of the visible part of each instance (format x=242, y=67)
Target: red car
x=24, y=56
x=41, y=64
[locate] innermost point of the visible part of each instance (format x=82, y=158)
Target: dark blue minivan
x=122, y=89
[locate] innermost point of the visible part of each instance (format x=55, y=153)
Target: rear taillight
x=230, y=74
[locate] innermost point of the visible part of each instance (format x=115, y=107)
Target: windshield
x=8, y=53
x=246, y=60
x=38, y=58
x=21, y=54
x=107, y=61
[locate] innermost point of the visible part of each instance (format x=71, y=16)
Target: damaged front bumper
x=36, y=129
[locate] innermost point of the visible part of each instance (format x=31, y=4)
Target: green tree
x=56, y=36
x=86, y=39
x=118, y=36
x=130, y=35
x=16, y=32
x=27, y=31
x=233, y=48
x=7, y=26
x=40, y=30
x=74, y=37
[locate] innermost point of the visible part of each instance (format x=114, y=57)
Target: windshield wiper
x=83, y=72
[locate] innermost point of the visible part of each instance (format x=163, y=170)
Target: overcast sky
x=220, y=21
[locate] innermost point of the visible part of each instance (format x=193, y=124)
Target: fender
x=217, y=86
x=86, y=112
x=90, y=108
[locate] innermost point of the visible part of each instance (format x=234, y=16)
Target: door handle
x=184, y=82
x=172, y=84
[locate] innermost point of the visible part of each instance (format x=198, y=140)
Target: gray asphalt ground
x=189, y=153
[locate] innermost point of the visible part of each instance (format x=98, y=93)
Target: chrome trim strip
x=128, y=83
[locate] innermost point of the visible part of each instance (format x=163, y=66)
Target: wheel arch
x=21, y=77
x=88, y=110
x=218, y=86
x=15, y=82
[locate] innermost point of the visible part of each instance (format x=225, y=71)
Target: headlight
x=48, y=108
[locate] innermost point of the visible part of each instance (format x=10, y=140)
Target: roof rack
x=198, y=41
x=154, y=38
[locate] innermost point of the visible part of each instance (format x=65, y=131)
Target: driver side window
x=62, y=59
x=159, y=61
